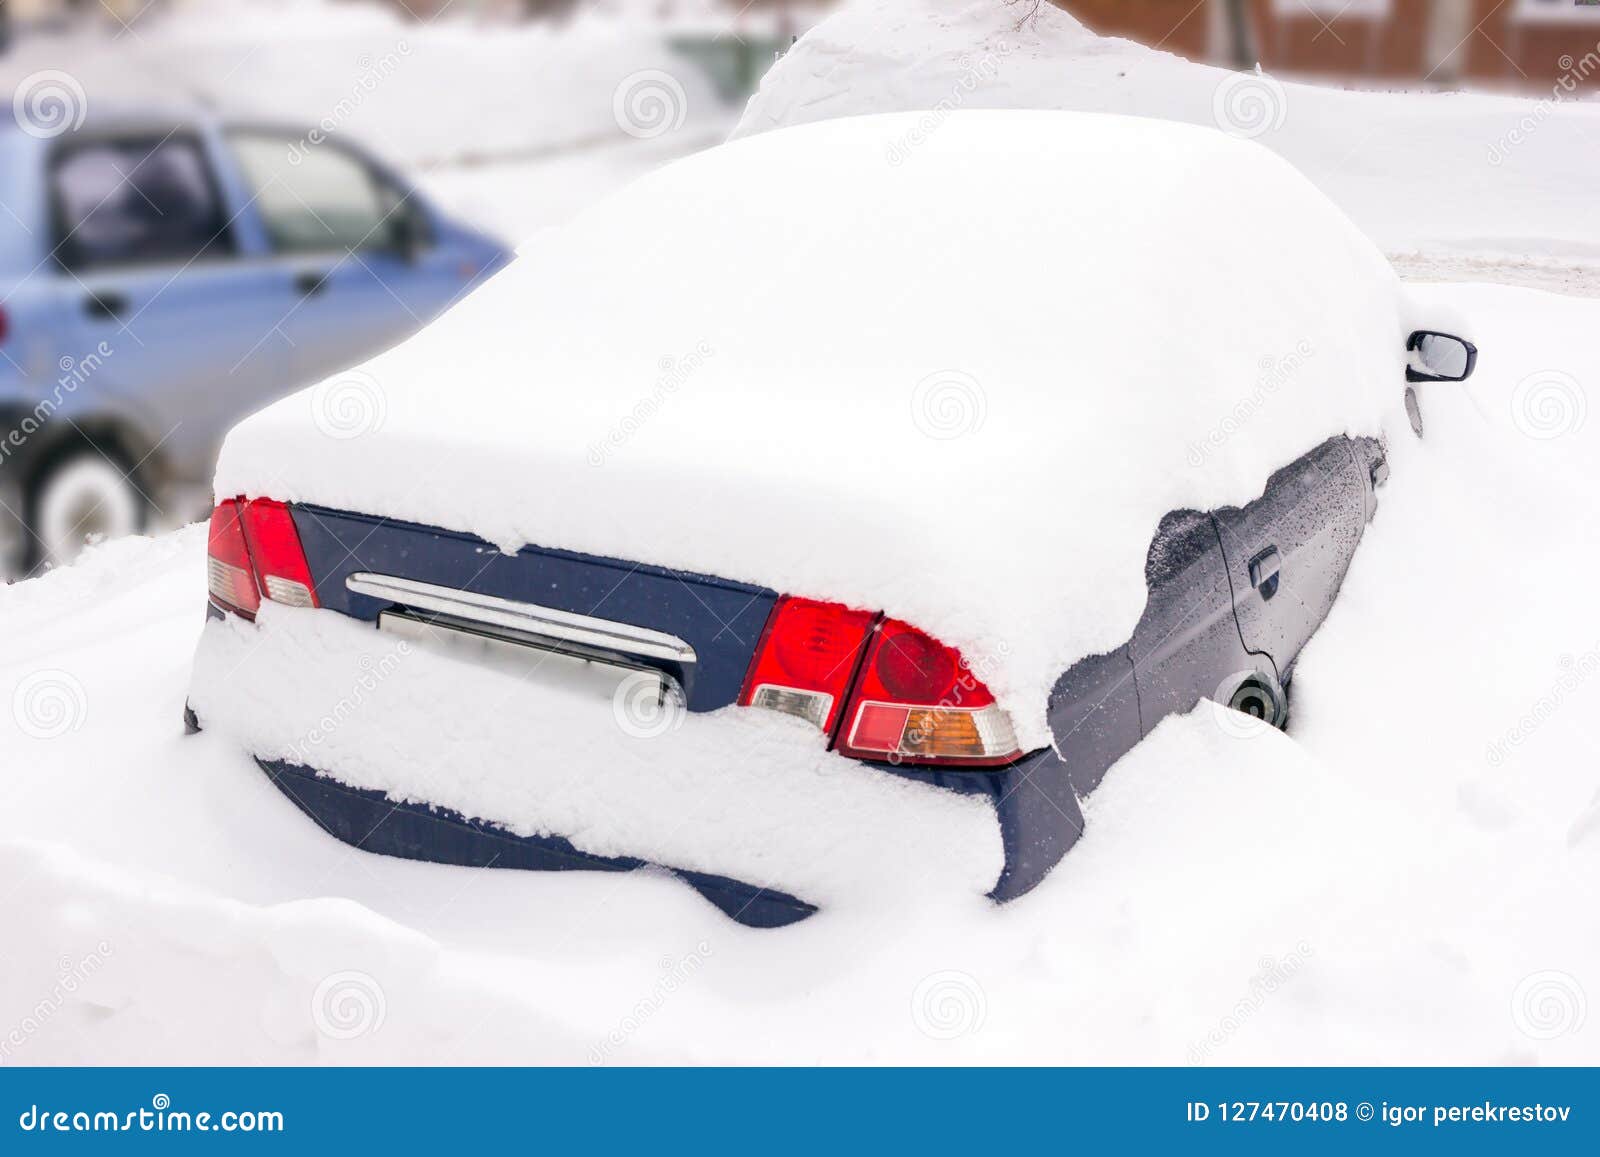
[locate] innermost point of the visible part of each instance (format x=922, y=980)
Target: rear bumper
x=1038, y=814
x=371, y=821
x=1036, y=807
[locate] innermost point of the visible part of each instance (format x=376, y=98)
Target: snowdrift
x=1433, y=172
x=421, y=93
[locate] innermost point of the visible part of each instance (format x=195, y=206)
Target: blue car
x=161, y=276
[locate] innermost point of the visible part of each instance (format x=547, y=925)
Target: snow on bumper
x=738, y=792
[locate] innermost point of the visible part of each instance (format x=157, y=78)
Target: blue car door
x=370, y=261
x=172, y=326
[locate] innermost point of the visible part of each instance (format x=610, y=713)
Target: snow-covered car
x=866, y=491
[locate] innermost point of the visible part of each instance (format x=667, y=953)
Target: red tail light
x=280, y=564
x=229, y=577
x=805, y=659
x=255, y=550
x=5, y=325
x=882, y=689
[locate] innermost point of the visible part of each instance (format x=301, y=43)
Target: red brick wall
x=1344, y=45
x=1499, y=49
x=1180, y=26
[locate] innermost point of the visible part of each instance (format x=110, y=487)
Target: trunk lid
x=719, y=620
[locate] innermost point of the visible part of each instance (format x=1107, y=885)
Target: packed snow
x=917, y=417
x=1435, y=178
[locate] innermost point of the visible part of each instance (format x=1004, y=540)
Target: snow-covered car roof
x=954, y=367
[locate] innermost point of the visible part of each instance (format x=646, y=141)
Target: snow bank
x=420, y=93
x=946, y=375
x=1437, y=172
x=746, y=794
x=155, y=973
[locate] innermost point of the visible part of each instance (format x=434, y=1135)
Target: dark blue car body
x=1233, y=596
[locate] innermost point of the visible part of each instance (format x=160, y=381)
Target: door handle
x=1264, y=571
x=310, y=283
x=105, y=306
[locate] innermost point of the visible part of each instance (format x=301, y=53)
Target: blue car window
x=123, y=201
x=315, y=198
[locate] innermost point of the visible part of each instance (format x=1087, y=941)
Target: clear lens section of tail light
x=229, y=579
x=807, y=654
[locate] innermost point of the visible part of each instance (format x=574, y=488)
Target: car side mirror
x=1439, y=357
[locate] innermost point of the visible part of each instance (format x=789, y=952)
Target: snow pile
x=420, y=93
x=746, y=794
x=972, y=419
x=297, y=983
x=1444, y=173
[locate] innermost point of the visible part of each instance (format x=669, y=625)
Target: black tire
x=79, y=496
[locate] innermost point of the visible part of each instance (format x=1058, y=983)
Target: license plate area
x=531, y=659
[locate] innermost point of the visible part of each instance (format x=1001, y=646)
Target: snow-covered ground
x=1405, y=876
x=1456, y=186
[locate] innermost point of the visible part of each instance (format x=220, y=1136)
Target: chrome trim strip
x=491, y=611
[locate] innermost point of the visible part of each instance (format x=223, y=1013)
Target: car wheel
x=1256, y=695
x=82, y=498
